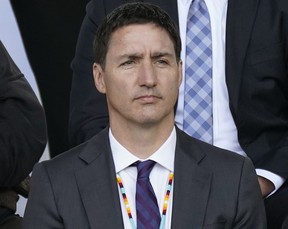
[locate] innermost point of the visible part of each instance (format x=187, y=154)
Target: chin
x=152, y=121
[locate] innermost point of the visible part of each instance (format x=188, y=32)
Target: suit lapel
x=191, y=185
x=240, y=19
x=97, y=185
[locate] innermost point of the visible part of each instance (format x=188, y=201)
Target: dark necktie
x=148, y=215
x=197, y=120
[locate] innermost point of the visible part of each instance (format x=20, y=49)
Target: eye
x=127, y=64
x=162, y=62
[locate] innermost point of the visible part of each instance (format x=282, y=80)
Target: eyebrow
x=138, y=55
x=130, y=56
x=161, y=54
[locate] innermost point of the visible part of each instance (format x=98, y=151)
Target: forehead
x=140, y=35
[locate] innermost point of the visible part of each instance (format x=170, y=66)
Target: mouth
x=148, y=99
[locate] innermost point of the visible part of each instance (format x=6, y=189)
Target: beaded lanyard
x=166, y=198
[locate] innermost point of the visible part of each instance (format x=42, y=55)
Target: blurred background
x=41, y=36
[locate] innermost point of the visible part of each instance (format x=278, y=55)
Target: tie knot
x=144, y=168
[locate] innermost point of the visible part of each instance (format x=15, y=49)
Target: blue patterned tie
x=148, y=215
x=198, y=78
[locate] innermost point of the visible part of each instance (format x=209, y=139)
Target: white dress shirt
x=224, y=128
x=164, y=158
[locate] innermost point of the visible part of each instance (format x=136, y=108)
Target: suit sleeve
x=22, y=124
x=250, y=207
x=262, y=116
x=41, y=211
x=88, y=107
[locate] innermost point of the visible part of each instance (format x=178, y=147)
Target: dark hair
x=133, y=13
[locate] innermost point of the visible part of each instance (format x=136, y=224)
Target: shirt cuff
x=277, y=180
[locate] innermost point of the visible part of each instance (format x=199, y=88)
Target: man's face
x=141, y=76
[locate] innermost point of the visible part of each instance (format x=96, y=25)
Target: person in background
x=248, y=66
x=105, y=182
x=22, y=137
x=49, y=30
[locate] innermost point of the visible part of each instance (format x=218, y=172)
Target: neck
x=141, y=140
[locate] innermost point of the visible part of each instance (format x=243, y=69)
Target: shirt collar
x=164, y=156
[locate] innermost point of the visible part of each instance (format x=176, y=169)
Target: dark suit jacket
x=49, y=31
x=213, y=188
x=22, y=133
x=256, y=76
x=22, y=124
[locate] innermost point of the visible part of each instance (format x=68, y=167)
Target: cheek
x=117, y=89
x=173, y=91
x=173, y=86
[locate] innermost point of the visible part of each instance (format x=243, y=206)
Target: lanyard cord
x=166, y=198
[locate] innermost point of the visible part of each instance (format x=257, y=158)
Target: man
x=250, y=113
x=138, y=66
x=22, y=137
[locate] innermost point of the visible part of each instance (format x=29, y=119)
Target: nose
x=147, y=75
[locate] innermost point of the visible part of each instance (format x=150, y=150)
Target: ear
x=180, y=72
x=98, y=75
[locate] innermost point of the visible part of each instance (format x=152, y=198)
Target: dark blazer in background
x=78, y=189
x=49, y=30
x=22, y=137
x=22, y=124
